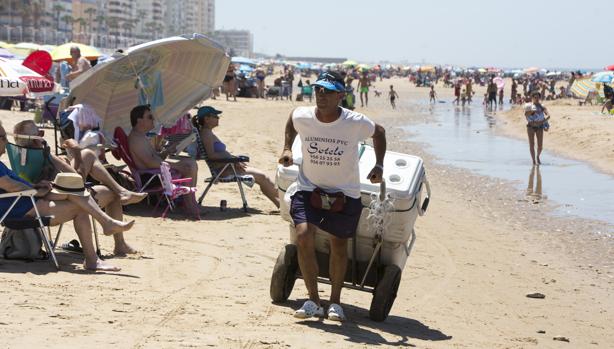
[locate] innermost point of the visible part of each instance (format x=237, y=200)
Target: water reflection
x=462, y=137
x=534, y=186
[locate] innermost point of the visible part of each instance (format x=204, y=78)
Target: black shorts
x=492, y=96
x=340, y=224
x=154, y=184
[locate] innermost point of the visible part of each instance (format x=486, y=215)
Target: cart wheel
x=284, y=274
x=385, y=293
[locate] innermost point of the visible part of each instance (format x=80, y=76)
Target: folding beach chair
x=123, y=152
x=34, y=165
x=173, y=190
x=38, y=222
x=216, y=174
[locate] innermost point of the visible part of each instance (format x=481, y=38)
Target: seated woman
x=205, y=121
x=109, y=195
x=63, y=207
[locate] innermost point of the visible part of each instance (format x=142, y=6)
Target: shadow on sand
x=360, y=329
x=69, y=262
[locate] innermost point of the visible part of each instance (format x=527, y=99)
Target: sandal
x=309, y=309
x=335, y=312
x=72, y=246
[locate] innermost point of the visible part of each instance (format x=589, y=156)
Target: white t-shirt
x=330, y=150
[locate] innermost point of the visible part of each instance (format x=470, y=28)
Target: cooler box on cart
x=404, y=175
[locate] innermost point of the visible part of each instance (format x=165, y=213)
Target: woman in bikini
x=537, y=122
x=205, y=121
x=230, y=87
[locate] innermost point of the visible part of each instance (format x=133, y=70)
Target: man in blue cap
x=328, y=193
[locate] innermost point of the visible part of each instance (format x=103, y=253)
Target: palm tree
x=57, y=9
x=25, y=13
x=82, y=24
x=113, y=24
x=37, y=13
x=100, y=20
x=68, y=24
x=90, y=12
x=128, y=26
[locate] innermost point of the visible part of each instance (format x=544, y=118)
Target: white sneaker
x=309, y=309
x=335, y=312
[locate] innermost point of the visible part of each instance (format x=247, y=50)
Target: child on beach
x=432, y=95
x=392, y=94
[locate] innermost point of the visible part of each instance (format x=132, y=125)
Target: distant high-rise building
x=151, y=22
x=237, y=42
x=190, y=16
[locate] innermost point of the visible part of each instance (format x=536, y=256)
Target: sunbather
x=109, y=195
x=205, y=121
x=63, y=206
x=145, y=156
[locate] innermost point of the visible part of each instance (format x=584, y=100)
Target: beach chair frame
x=39, y=222
x=216, y=175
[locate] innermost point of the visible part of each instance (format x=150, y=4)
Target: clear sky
x=502, y=33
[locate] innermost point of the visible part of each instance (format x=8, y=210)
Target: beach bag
x=21, y=244
x=322, y=200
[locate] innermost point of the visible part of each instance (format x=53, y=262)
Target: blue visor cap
x=204, y=111
x=330, y=82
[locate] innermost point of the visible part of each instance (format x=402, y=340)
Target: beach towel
x=150, y=90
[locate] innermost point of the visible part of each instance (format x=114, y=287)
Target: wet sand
x=479, y=252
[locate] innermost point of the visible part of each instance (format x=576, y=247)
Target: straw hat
x=69, y=183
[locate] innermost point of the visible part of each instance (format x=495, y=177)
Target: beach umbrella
x=245, y=68
x=581, y=87
x=349, y=63
x=18, y=80
x=47, y=48
x=605, y=77
x=4, y=53
x=62, y=52
x=303, y=65
x=172, y=75
x=426, y=69
x=499, y=82
x=610, y=67
x=531, y=70
x=243, y=60
x=482, y=70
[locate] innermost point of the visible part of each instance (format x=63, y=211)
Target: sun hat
x=330, y=81
x=207, y=110
x=69, y=183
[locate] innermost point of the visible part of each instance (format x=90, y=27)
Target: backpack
x=22, y=244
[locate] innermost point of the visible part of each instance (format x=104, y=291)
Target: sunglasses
x=322, y=90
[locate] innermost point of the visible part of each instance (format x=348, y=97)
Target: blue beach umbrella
x=604, y=77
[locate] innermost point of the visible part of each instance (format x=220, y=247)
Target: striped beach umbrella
x=581, y=87
x=172, y=75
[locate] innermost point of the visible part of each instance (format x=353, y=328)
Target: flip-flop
x=309, y=309
x=73, y=246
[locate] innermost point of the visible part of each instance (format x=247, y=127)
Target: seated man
x=145, y=156
x=110, y=195
x=63, y=207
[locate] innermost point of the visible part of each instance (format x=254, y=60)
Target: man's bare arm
x=10, y=185
x=379, y=144
x=289, y=136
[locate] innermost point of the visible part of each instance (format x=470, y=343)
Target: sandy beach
x=479, y=252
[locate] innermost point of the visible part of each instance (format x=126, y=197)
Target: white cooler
x=405, y=179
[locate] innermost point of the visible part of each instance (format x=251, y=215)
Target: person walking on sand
x=491, y=89
x=469, y=88
x=537, y=122
x=432, y=95
x=392, y=95
x=363, y=88
x=330, y=129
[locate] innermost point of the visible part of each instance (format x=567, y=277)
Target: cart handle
x=427, y=199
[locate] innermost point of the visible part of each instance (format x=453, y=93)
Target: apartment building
x=237, y=42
